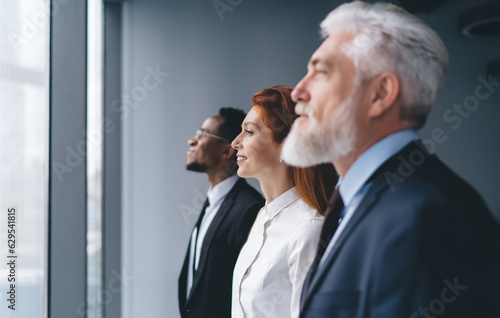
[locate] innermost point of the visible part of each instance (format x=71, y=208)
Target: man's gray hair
x=387, y=38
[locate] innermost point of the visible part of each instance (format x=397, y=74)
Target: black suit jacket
x=210, y=295
x=422, y=243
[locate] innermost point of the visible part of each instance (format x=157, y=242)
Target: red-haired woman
x=273, y=263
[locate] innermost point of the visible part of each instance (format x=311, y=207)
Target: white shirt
x=216, y=196
x=353, y=185
x=273, y=263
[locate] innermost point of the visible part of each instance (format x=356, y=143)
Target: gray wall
x=213, y=63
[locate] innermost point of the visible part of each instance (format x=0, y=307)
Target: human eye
x=248, y=132
x=320, y=71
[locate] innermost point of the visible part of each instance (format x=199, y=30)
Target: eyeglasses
x=201, y=133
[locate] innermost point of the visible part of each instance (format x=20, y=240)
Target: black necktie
x=332, y=217
x=197, y=227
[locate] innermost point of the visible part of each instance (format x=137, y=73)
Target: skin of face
x=258, y=154
x=328, y=82
x=351, y=116
x=205, y=154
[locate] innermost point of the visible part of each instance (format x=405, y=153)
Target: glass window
x=24, y=145
x=94, y=157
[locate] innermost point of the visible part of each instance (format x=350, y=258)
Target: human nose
x=301, y=93
x=192, y=141
x=236, y=142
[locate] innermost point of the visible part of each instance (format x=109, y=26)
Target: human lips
x=240, y=158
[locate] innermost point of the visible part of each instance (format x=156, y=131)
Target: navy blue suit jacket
x=422, y=243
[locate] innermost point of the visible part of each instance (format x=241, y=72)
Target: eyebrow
x=206, y=131
x=316, y=61
x=248, y=123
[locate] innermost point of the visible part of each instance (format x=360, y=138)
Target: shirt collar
x=221, y=189
x=277, y=205
x=370, y=161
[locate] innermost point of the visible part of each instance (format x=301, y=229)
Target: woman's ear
x=384, y=91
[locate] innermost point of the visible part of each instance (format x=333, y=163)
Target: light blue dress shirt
x=353, y=185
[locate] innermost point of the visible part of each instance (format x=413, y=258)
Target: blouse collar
x=273, y=208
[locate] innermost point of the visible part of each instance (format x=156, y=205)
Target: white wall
x=212, y=64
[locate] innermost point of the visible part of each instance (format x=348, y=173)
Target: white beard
x=316, y=145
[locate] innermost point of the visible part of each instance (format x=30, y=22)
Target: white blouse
x=273, y=263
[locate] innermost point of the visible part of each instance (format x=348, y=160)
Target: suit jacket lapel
x=183, y=278
x=362, y=210
x=221, y=213
x=379, y=184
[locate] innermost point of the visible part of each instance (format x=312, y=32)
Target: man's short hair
x=231, y=126
x=387, y=38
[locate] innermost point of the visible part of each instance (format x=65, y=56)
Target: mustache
x=302, y=109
